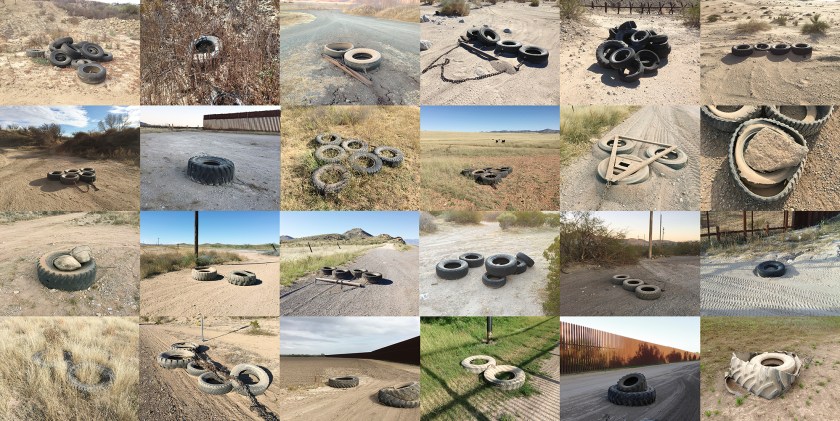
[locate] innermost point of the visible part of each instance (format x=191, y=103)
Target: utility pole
x=196, y=238
x=489, y=329
x=650, y=237
x=202, y=326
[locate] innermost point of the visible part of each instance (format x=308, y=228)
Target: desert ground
x=34, y=24
x=585, y=82
x=166, y=186
x=532, y=185
x=589, y=292
x=815, y=190
x=25, y=185
x=533, y=84
x=178, y=294
x=677, y=387
x=308, y=79
x=813, y=339
x=667, y=188
x=763, y=78
x=113, y=238
x=522, y=295
x=173, y=394
x=394, y=296
x=304, y=393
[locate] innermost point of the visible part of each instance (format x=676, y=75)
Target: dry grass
x=391, y=188
x=294, y=18
x=299, y=261
x=751, y=27
x=32, y=392
x=250, y=43
x=155, y=260
x=405, y=12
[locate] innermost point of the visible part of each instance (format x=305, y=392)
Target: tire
x=633, y=382
x=256, y=389
x=186, y=346
x=640, y=176
x=331, y=188
x=509, y=46
x=657, y=38
x=619, y=279
x=780, y=49
x=745, y=176
x=337, y=49
x=533, y=54
x=70, y=51
x=624, y=35
x=467, y=363
x=106, y=377
x=35, y=53
x=622, y=57
x=525, y=258
x=777, y=360
x=240, y=278
x=639, y=40
x=515, y=383
x=55, y=45
x=650, y=61
x=59, y=59
x=362, y=59
x=87, y=177
x=173, y=359
x=476, y=174
x=357, y=273
x=452, y=269
x=489, y=178
x=106, y=57
x=204, y=273
x=631, y=284
x=763, y=380
x=473, y=260
x=211, y=384
x=505, y=170
x=810, y=126
x=206, y=49
x=675, y=159
x=761, y=48
x=54, y=175
x=500, y=265
x=73, y=280
x=624, y=146
x=341, y=274
x=634, y=71
x=373, y=277
x=376, y=163
x=355, y=145
x=742, y=50
x=92, y=73
x=327, y=270
x=88, y=169
x=494, y=281
x=801, y=49
x=618, y=397
x=343, y=382
x=728, y=121
x=488, y=36
x=401, y=396
x=521, y=267
x=91, y=51
x=472, y=33
x=661, y=50
x=195, y=370
x=321, y=154
x=605, y=50
x=770, y=269
x=648, y=292
x=628, y=25
x=383, y=153
x=211, y=170
x=79, y=62
x=328, y=139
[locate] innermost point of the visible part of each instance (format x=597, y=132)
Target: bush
x=691, y=15
x=551, y=305
x=427, y=223
x=535, y=3
x=586, y=239
x=454, y=8
x=462, y=217
x=522, y=219
x=506, y=220
x=815, y=26
x=571, y=9
x=751, y=27
x=781, y=21
x=713, y=18
x=156, y=263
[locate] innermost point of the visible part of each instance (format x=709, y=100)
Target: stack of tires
x=631, y=390
x=240, y=380
x=83, y=56
x=489, y=37
x=780, y=49
x=633, y=52
x=359, y=59
x=73, y=176
x=498, y=267
x=487, y=176
x=350, y=274
x=642, y=290
x=331, y=153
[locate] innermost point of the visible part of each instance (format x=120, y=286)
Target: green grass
x=291, y=270
x=449, y=391
x=152, y=264
x=581, y=123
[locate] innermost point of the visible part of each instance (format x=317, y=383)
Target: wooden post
x=196, y=238
x=752, y=223
x=785, y=223
x=717, y=232
x=650, y=236
x=310, y=246
x=745, y=224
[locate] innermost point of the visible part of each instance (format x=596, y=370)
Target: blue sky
x=676, y=332
x=303, y=224
x=71, y=118
x=482, y=118
x=192, y=116
x=679, y=226
x=246, y=227
x=342, y=335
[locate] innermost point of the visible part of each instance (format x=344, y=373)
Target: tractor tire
x=211, y=384
x=728, y=121
x=343, y=382
x=204, y=273
x=211, y=170
x=73, y=280
x=467, y=363
x=244, y=373
x=173, y=359
x=515, y=383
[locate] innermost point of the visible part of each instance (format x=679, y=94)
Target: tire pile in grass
x=242, y=278
x=358, y=59
x=331, y=153
x=631, y=390
x=487, y=176
x=504, y=377
x=639, y=287
x=73, y=176
x=186, y=355
x=633, y=52
x=498, y=267
x=488, y=36
x=350, y=274
x=768, y=149
x=780, y=49
x=83, y=56
x=72, y=270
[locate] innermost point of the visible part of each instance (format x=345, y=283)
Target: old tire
x=106, y=57
x=245, y=374
x=357, y=273
x=639, y=40
x=493, y=281
x=106, y=378
x=780, y=49
x=173, y=359
x=87, y=177
x=323, y=152
x=650, y=61
x=362, y=59
x=675, y=159
x=742, y=50
x=91, y=51
x=505, y=384
x=533, y=54
x=770, y=269
x=54, y=175
x=343, y=382
x=509, y=46
x=782, y=362
x=330, y=188
x=390, y=156
x=488, y=36
x=55, y=45
x=35, y=53
x=342, y=274
x=206, y=49
x=69, y=178
x=619, y=279
x=403, y=396
x=195, y=370
x=489, y=178
x=662, y=50
x=79, y=62
x=240, y=278
x=74, y=280
x=452, y=269
x=621, y=58
x=648, y=292
x=500, y=265
x=761, y=48
x=337, y=49
x=373, y=277
x=643, y=398
x=631, y=284
x=359, y=159
x=815, y=119
x=728, y=121
x=764, y=187
x=211, y=384
x=639, y=176
x=802, y=49
x=204, y=273
x=473, y=260
x=327, y=270
x=525, y=258
x=633, y=382
x=187, y=346
x=624, y=145
x=91, y=73
x=521, y=267
x=59, y=59
x=467, y=363
x=355, y=145
x=605, y=50
x=211, y=170
x=632, y=71
x=328, y=139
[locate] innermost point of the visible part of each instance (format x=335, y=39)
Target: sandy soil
x=25, y=185
x=305, y=394
x=165, y=184
x=758, y=79
x=31, y=83
x=815, y=190
x=533, y=84
x=394, y=296
x=117, y=254
x=174, y=395
x=585, y=82
x=589, y=292
x=521, y=296
x=178, y=294
x=583, y=396
x=667, y=189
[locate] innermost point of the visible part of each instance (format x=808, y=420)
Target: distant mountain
x=413, y=241
x=286, y=238
x=525, y=131
x=355, y=235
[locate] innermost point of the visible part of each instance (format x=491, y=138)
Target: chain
x=456, y=81
x=207, y=363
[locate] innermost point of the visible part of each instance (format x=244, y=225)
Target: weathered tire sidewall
x=75, y=280
x=453, y=273
x=500, y=265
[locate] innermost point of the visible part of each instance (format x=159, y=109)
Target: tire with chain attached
x=345, y=382
x=72, y=280
x=211, y=384
x=605, y=50
x=533, y=54
x=173, y=359
x=195, y=370
x=246, y=373
x=389, y=155
x=402, y=396
x=323, y=152
x=87, y=177
x=488, y=36
x=54, y=175
x=728, y=121
x=204, y=273
x=210, y=170
x=358, y=159
x=810, y=125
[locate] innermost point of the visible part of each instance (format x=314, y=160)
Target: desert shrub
x=156, y=263
x=781, y=21
x=581, y=124
x=522, y=219
x=691, y=15
x=454, y=7
x=111, y=144
x=587, y=239
x=815, y=26
x=535, y=3
x=571, y=9
x=427, y=223
x=462, y=217
x=751, y=27
x=713, y=18
x=506, y=220
x=551, y=305
x=552, y=220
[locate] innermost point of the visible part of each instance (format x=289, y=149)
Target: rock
x=460, y=21
x=507, y=31
x=67, y=263
x=81, y=254
x=770, y=150
x=424, y=18
x=425, y=44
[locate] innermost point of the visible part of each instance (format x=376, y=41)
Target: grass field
x=820, y=237
x=297, y=260
x=155, y=260
x=390, y=188
x=532, y=185
x=452, y=393
x=581, y=124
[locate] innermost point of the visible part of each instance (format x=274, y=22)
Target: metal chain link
x=456, y=81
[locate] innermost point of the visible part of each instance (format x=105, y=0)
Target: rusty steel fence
x=585, y=349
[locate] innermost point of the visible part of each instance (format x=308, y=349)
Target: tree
x=113, y=122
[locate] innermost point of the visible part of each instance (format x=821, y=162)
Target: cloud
x=335, y=335
x=132, y=112
x=35, y=116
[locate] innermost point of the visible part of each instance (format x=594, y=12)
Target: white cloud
x=132, y=112
x=338, y=335
x=35, y=116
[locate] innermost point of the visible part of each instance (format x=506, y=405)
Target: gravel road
x=667, y=189
x=584, y=396
x=396, y=296
x=308, y=79
x=165, y=185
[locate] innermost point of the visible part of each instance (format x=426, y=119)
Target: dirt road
x=584, y=396
x=585, y=82
x=178, y=294
x=590, y=292
x=521, y=296
x=165, y=184
x=26, y=187
x=308, y=79
x=667, y=189
x=305, y=394
x=532, y=85
x=174, y=394
x=394, y=296
x=117, y=254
